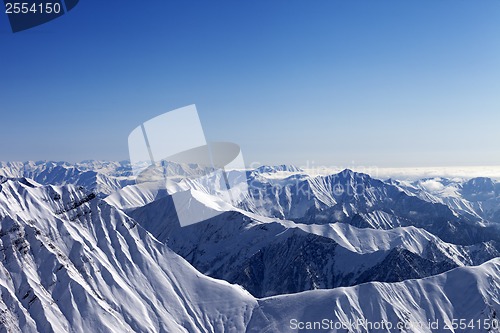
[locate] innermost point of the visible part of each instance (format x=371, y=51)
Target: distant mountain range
x=86, y=249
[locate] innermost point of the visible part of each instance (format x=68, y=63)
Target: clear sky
x=374, y=82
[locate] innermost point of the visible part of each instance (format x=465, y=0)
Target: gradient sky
x=351, y=82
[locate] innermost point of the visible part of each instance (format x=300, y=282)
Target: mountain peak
x=278, y=168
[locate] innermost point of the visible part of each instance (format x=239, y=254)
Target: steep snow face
x=286, y=192
x=271, y=256
x=478, y=197
x=363, y=202
x=368, y=245
x=109, y=168
x=345, y=197
x=102, y=178
x=277, y=168
x=137, y=195
x=415, y=240
x=460, y=295
x=72, y=263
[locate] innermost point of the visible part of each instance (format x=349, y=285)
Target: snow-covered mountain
x=477, y=197
x=241, y=246
x=103, y=178
x=283, y=168
x=361, y=201
x=73, y=262
x=285, y=191
x=462, y=300
x=270, y=256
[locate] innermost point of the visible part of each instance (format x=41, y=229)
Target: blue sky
x=375, y=82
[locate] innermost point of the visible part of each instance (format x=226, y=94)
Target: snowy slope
x=462, y=294
x=102, y=178
x=272, y=256
x=72, y=263
x=477, y=197
x=287, y=192
x=363, y=202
